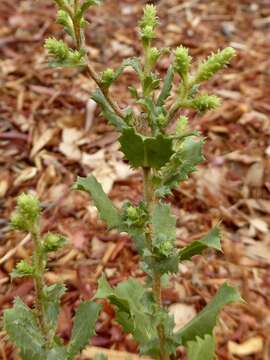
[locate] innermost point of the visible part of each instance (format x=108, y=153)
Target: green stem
x=156, y=282
x=38, y=260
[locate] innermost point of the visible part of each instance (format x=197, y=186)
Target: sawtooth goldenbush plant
x=34, y=330
x=166, y=157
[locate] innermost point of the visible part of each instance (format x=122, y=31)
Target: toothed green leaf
x=181, y=164
x=201, y=349
x=57, y=353
x=129, y=298
x=107, y=110
x=83, y=327
x=167, y=86
x=145, y=151
x=51, y=302
x=211, y=240
x=23, y=269
x=107, y=210
x=22, y=328
x=204, y=323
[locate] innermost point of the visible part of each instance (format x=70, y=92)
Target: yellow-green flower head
x=149, y=17
x=27, y=212
x=206, y=102
x=182, y=61
x=214, y=63
x=57, y=48
x=53, y=242
x=107, y=76
x=29, y=206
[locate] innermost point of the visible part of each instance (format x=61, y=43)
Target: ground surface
x=50, y=132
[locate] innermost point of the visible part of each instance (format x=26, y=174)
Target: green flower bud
x=17, y=222
x=75, y=57
x=166, y=247
x=147, y=33
x=147, y=24
x=162, y=120
x=63, y=18
x=149, y=17
x=107, y=77
x=205, y=102
x=132, y=213
x=154, y=54
x=181, y=125
x=28, y=206
x=182, y=61
x=57, y=48
x=52, y=242
x=22, y=269
x=214, y=63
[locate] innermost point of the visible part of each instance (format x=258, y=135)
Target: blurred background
x=50, y=132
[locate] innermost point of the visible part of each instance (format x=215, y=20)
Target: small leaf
x=181, y=164
x=57, y=353
x=21, y=325
x=107, y=110
x=51, y=303
x=83, y=328
x=167, y=86
x=204, y=323
x=100, y=356
x=211, y=240
x=130, y=298
x=201, y=348
x=145, y=151
x=164, y=229
x=135, y=63
x=23, y=269
x=107, y=210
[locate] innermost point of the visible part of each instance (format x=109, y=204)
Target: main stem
x=38, y=260
x=156, y=282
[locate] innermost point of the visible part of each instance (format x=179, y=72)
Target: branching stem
x=156, y=282
x=38, y=260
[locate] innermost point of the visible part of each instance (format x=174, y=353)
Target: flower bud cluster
x=27, y=212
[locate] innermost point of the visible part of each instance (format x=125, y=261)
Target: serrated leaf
x=22, y=328
x=57, y=353
x=83, y=327
x=145, y=151
x=201, y=348
x=100, y=356
x=107, y=110
x=204, y=323
x=167, y=87
x=131, y=313
x=181, y=164
x=107, y=210
x=51, y=303
x=164, y=228
x=135, y=63
x=211, y=240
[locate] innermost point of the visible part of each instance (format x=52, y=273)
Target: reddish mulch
x=40, y=108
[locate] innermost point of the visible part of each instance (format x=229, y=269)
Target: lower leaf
x=201, y=349
x=21, y=325
x=204, y=323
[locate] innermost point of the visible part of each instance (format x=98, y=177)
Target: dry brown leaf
x=69, y=144
x=26, y=174
x=182, y=313
x=43, y=140
x=249, y=347
x=259, y=224
x=255, y=175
